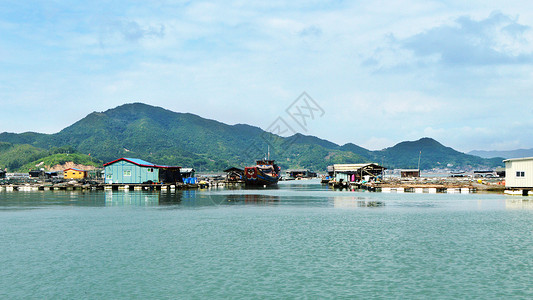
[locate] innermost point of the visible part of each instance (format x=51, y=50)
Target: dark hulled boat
x=266, y=172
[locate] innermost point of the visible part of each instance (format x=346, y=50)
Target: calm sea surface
x=300, y=240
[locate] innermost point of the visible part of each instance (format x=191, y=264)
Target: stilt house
x=409, y=173
x=356, y=172
x=138, y=171
x=234, y=174
x=73, y=173
x=519, y=173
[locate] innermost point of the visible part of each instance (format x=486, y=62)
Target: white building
x=356, y=172
x=519, y=173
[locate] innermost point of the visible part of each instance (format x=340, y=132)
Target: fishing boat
x=326, y=179
x=265, y=172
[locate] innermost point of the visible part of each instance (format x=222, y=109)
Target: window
x=127, y=172
x=520, y=174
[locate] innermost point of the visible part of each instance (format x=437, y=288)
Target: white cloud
x=498, y=39
x=378, y=143
x=383, y=71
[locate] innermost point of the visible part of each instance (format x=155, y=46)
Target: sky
x=372, y=73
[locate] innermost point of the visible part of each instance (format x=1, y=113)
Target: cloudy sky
x=380, y=71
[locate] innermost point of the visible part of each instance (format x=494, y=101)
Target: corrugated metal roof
x=516, y=159
x=140, y=162
x=349, y=167
x=136, y=161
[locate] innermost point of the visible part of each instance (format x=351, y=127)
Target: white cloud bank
x=458, y=72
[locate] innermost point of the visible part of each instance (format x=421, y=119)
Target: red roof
x=141, y=163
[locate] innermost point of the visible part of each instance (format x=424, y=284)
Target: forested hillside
x=165, y=137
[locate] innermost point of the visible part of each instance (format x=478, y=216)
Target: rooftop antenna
x=268, y=151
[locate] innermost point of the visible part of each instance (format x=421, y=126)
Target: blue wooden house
x=138, y=171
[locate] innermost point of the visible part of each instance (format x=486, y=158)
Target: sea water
x=299, y=240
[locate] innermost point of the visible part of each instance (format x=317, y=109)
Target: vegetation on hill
x=165, y=137
x=432, y=154
x=14, y=156
x=49, y=161
x=24, y=157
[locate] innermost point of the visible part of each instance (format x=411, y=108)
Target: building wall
x=73, y=174
x=404, y=174
x=345, y=177
x=126, y=172
x=512, y=180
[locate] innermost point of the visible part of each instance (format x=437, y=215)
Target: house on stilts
x=138, y=171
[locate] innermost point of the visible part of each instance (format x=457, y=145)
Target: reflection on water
x=15, y=200
x=155, y=198
x=299, y=241
x=355, y=202
x=133, y=198
x=519, y=203
x=295, y=194
x=256, y=199
x=186, y=198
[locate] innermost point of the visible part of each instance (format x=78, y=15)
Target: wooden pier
x=82, y=187
x=64, y=186
x=450, y=187
x=44, y=187
x=519, y=192
x=419, y=189
x=430, y=186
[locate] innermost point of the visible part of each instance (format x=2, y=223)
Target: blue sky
x=382, y=71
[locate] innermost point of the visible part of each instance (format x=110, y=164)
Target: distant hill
x=503, y=154
x=14, y=156
x=50, y=161
x=24, y=157
x=432, y=155
x=165, y=137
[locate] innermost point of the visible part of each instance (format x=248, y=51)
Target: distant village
x=137, y=174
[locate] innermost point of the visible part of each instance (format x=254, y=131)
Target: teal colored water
x=298, y=241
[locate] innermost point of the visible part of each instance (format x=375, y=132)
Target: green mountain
x=165, y=137
x=52, y=160
x=432, y=154
x=14, y=156
x=25, y=157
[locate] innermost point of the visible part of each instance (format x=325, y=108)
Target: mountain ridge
x=504, y=154
x=166, y=137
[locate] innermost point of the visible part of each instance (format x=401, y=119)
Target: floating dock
x=429, y=186
x=519, y=192
x=118, y=186
x=80, y=187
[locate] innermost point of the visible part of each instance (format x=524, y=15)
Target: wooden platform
x=78, y=186
x=423, y=186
